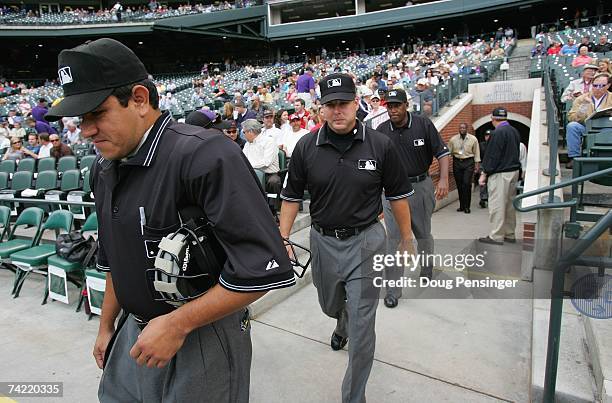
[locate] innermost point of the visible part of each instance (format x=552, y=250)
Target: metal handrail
x=552, y=188
x=556, y=306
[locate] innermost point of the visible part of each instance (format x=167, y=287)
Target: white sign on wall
x=504, y=91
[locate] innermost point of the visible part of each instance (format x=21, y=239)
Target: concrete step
x=575, y=380
x=599, y=343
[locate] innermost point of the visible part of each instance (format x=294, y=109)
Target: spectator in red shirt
x=554, y=49
x=301, y=111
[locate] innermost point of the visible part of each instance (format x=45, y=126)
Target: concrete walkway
x=428, y=350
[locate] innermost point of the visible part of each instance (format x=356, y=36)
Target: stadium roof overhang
x=247, y=23
x=402, y=16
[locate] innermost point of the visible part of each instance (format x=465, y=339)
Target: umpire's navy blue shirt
x=345, y=187
x=181, y=165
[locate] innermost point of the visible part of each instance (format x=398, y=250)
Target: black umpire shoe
x=391, y=301
x=338, y=342
x=460, y=209
x=483, y=204
x=426, y=272
x=467, y=211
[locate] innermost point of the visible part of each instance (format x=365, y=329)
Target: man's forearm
x=444, y=166
x=401, y=211
x=217, y=303
x=110, y=305
x=289, y=211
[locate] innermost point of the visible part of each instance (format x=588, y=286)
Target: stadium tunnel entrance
x=519, y=122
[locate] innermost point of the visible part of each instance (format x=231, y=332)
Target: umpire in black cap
x=418, y=142
x=167, y=349
x=345, y=166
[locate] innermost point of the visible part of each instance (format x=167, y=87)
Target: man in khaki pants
x=500, y=171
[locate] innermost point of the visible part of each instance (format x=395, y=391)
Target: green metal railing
x=566, y=260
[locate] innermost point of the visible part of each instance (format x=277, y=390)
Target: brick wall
x=520, y=108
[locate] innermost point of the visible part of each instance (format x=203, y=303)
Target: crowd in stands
x=573, y=52
x=279, y=103
x=117, y=13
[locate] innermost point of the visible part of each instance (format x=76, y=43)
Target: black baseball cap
x=207, y=119
x=500, y=113
x=397, y=96
x=90, y=72
x=337, y=87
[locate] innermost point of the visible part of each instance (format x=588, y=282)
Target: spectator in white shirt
x=290, y=138
x=269, y=130
x=262, y=153
x=73, y=133
x=45, y=145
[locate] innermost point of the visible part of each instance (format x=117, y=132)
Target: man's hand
x=406, y=245
x=442, y=189
x=104, y=336
x=482, y=181
x=158, y=342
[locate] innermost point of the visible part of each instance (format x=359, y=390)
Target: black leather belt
x=463, y=159
x=420, y=178
x=342, y=233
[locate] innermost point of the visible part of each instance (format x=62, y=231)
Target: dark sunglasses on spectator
x=54, y=140
x=16, y=142
x=231, y=131
x=375, y=100
x=599, y=85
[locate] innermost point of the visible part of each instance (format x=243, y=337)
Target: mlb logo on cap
x=335, y=82
x=393, y=93
x=65, y=75
x=337, y=87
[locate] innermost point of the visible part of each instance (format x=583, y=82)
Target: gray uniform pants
x=213, y=365
x=343, y=274
x=422, y=205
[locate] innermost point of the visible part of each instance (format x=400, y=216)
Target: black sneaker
x=483, y=204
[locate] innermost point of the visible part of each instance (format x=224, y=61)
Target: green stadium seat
x=70, y=181
x=4, y=180
x=87, y=161
x=85, y=194
x=21, y=181
x=46, y=164
x=61, y=271
x=26, y=164
x=34, y=259
x=8, y=166
x=66, y=163
x=30, y=217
